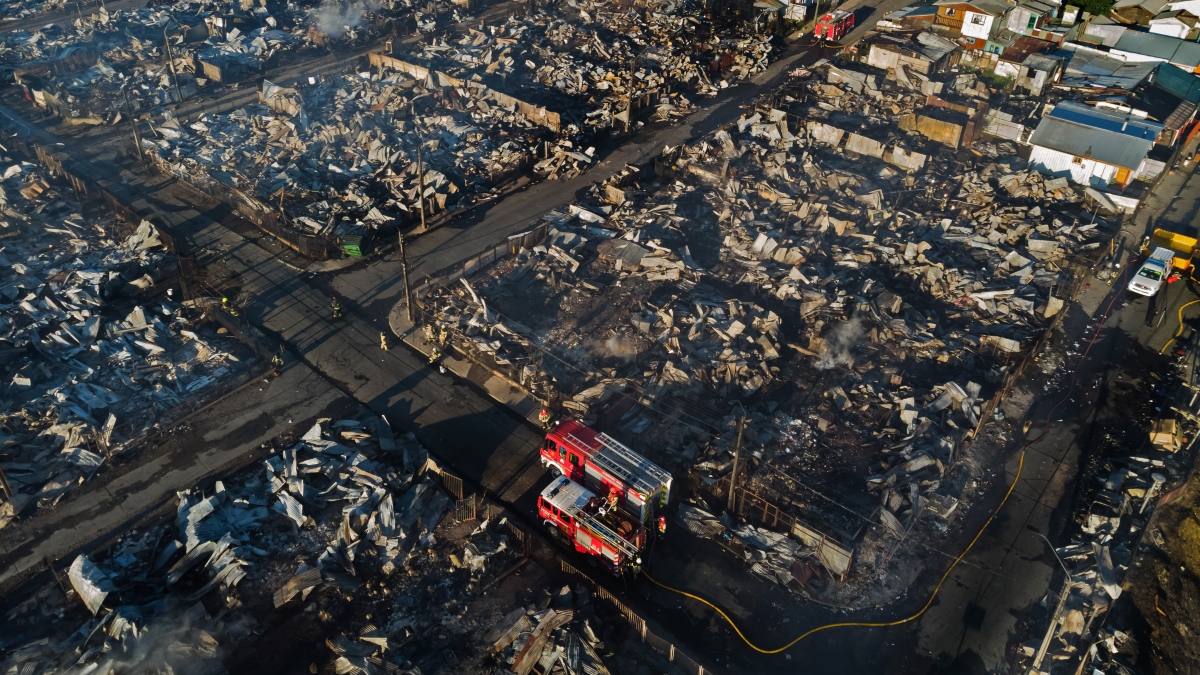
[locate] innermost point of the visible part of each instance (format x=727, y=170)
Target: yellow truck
x=1182, y=245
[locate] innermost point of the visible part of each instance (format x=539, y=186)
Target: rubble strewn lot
x=97, y=353
x=91, y=68
x=336, y=554
x=598, y=55
x=863, y=304
x=344, y=159
x=1123, y=539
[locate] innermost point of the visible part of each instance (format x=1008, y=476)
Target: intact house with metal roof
x=1139, y=46
x=982, y=21
x=922, y=52
x=1029, y=16
x=1094, y=147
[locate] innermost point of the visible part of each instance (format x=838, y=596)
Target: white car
x=1151, y=275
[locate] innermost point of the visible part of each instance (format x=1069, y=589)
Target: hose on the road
x=1178, y=331
x=928, y=603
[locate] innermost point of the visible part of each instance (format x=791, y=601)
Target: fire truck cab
x=604, y=464
x=834, y=25
x=592, y=524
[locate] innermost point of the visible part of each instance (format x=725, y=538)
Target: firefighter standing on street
x=434, y=355
x=337, y=308
x=544, y=418
x=383, y=341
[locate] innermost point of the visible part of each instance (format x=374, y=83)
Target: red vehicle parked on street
x=834, y=25
x=593, y=524
x=602, y=463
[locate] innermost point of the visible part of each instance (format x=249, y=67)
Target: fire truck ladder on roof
x=606, y=533
x=644, y=474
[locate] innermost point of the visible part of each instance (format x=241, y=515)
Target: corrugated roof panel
x=1081, y=140
x=1108, y=121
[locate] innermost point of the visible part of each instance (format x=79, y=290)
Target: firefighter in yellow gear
x=337, y=309
x=228, y=306
x=544, y=418
x=383, y=341
x=434, y=356
x=277, y=361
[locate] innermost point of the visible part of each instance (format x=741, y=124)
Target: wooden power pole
x=737, y=455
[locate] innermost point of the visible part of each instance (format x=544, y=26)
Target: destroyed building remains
x=100, y=350
x=825, y=261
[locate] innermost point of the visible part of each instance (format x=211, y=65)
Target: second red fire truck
x=834, y=25
x=593, y=525
x=606, y=465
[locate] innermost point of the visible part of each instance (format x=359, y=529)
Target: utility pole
x=421, y=183
x=137, y=141
x=407, y=288
x=171, y=61
x=737, y=455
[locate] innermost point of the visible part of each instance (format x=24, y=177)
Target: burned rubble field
x=332, y=555
x=1118, y=474
x=862, y=313
x=107, y=350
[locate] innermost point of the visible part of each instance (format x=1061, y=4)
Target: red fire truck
x=834, y=25
x=603, y=464
x=593, y=524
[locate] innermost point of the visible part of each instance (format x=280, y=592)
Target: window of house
x=1032, y=22
x=977, y=19
x=949, y=11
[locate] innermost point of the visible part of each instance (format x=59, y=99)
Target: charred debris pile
x=342, y=156
x=338, y=554
x=99, y=348
x=862, y=289
x=100, y=67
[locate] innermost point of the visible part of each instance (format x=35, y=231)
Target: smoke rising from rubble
x=838, y=343
x=171, y=642
x=614, y=346
x=333, y=17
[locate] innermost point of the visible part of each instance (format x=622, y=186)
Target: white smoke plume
x=614, y=346
x=839, y=342
x=335, y=17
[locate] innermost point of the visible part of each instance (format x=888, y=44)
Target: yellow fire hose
x=949, y=570
x=863, y=624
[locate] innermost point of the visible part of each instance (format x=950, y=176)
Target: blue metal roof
x=1084, y=131
x=1106, y=120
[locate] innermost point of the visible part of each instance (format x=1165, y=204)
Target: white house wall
x=1086, y=172
x=981, y=31
x=1018, y=20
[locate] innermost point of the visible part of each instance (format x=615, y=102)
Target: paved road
x=979, y=609
x=35, y=22
x=219, y=439
x=379, y=284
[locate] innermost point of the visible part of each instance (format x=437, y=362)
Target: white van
x=1153, y=273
